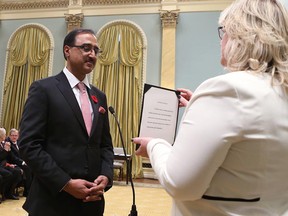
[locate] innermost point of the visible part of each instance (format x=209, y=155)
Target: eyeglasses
x=88, y=48
x=221, y=32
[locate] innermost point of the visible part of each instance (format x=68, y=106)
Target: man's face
x=80, y=60
x=14, y=136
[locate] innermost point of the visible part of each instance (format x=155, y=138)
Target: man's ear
x=66, y=51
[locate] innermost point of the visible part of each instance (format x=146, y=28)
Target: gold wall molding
x=31, y=9
x=22, y=5
x=33, y=4
x=75, y=2
x=169, y=18
x=118, y=2
x=73, y=21
x=20, y=8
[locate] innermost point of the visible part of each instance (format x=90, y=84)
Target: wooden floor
x=151, y=200
x=146, y=181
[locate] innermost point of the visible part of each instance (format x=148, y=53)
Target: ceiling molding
x=22, y=5
x=28, y=9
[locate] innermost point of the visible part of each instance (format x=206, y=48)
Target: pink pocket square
x=102, y=110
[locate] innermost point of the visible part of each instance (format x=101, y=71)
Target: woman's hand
x=142, y=141
x=185, y=96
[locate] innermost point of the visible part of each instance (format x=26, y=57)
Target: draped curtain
x=119, y=72
x=27, y=60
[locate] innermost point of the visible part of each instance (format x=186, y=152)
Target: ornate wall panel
x=118, y=2
x=44, y=4
x=20, y=5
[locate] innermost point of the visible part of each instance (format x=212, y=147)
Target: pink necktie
x=85, y=106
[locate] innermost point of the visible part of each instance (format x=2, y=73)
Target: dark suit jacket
x=6, y=156
x=3, y=155
x=14, y=156
x=55, y=144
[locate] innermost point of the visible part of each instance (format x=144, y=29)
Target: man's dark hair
x=70, y=37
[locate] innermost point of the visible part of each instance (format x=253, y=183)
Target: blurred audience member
x=10, y=172
x=15, y=159
x=1, y=186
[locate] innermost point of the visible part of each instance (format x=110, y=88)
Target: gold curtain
x=118, y=73
x=27, y=60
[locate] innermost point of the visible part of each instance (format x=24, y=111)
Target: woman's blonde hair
x=257, y=37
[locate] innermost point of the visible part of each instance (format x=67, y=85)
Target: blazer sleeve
x=32, y=140
x=211, y=121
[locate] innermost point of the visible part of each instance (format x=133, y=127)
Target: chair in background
x=119, y=164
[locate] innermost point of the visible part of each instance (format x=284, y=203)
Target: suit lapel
x=65, y=88
x=95, y=107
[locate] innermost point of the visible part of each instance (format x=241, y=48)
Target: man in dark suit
x=11, y=173
x=72, y=166
x=16, y=159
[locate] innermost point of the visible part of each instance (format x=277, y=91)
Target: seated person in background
x=14, y=158
x=5, y=178
x=1, y=186
x=11, y=172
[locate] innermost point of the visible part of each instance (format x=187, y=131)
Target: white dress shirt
x=231, y=147
x=73, y=81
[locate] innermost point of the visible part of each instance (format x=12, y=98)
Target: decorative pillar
x=169, y=21
x=73, y=21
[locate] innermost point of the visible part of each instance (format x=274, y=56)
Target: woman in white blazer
x=230, y=155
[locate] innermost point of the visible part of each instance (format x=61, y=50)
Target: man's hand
x=97, y=190
x=78, y=188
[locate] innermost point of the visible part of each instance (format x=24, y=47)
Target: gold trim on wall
x=26, y=9
x=73, y=21
x=22, y=5
x=118, y=2
x=169, y=20
x=41, y=4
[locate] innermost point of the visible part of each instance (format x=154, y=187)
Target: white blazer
x=230, y=156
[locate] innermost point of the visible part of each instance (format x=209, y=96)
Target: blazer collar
x=65, y=88
x=95, y=107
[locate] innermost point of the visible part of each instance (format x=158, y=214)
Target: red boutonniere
x=102, y=110
x=94, y=98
